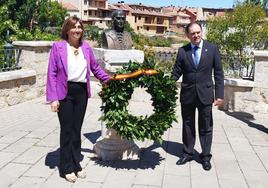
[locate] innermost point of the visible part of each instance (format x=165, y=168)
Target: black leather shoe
x=206, y=165
x=184, y=160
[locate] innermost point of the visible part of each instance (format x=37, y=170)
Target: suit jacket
x=197, y=82
x=57, y=75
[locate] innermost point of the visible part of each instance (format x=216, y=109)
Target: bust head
x=116, y=37
x=118, y=17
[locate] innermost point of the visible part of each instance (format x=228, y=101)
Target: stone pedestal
x=111, y=60
x=112, y=146
x=261, y=69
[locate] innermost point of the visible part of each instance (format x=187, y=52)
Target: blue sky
x=182, y=3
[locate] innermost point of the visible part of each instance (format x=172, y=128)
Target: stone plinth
x=28, y=83
x=112, y=146
x=261, y=69
x=114, y=59
x=249, y=96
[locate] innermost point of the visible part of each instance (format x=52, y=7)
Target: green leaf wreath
x=116, y=95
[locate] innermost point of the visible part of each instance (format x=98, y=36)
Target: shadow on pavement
x=52, y=159
x=149, y=159
x=176, y=149
x=93, y=137
x=247, y=118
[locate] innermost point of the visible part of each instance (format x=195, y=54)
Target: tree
x=40, y=13
x=7, y=25
x=53, y=14
x=263, y=3
x=28, y=19
x=92, y=32
x=244, y=28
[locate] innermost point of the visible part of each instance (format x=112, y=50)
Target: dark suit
x=198, y=91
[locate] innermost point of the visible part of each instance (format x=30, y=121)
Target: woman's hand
x=55, y=106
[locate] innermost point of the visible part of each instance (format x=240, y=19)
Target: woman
x=68, y=88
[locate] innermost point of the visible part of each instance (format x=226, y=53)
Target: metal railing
x=236, y=66
x=9, y=59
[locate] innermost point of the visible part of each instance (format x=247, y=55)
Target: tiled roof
x=69, y=6
x=180, y=11
x=180, y=14
x=152, y=13
x=118, y=6
x=220, y=13
x=145, y=11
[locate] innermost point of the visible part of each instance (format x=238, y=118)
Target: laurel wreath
x=116, y=95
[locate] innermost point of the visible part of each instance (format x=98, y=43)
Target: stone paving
x=29, y=151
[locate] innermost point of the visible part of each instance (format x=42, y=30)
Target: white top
x=77, y=65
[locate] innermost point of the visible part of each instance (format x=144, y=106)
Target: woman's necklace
x=75, y=50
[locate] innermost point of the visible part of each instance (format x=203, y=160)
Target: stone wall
x=29, y=82
x=249, y=96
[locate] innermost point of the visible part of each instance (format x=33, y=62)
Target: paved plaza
x=29, y=152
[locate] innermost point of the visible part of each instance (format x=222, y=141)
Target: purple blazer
x=57, y=75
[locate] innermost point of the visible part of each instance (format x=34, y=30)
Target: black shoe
x=206, y=165
x=184, y=160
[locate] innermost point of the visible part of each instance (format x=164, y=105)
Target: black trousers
x=71, y=115
x=205, y=128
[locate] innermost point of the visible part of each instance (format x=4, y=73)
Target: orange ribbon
x=134, y=74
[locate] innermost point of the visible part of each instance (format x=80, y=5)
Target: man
x=116, y=38
x=195, y=62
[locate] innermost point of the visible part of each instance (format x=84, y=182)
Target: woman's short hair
x=68, y=24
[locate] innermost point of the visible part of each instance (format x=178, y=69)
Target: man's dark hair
x=190, y=24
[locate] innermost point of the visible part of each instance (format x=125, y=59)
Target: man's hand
x=218, y=102
x=55, y=106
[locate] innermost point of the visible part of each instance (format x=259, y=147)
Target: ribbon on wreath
x=134, y=74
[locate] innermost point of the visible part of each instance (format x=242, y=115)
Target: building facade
x=145, y=20
x=180, y=17
x=93, y=12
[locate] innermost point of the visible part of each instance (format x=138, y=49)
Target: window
x=85, y=2
x=85, y=12
x=101, y=4
x=138, y=28
x=135, y=19
x=147, y=28
x=139, y=17
x=160, y=20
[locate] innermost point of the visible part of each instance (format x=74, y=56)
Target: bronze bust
x=116, y=38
